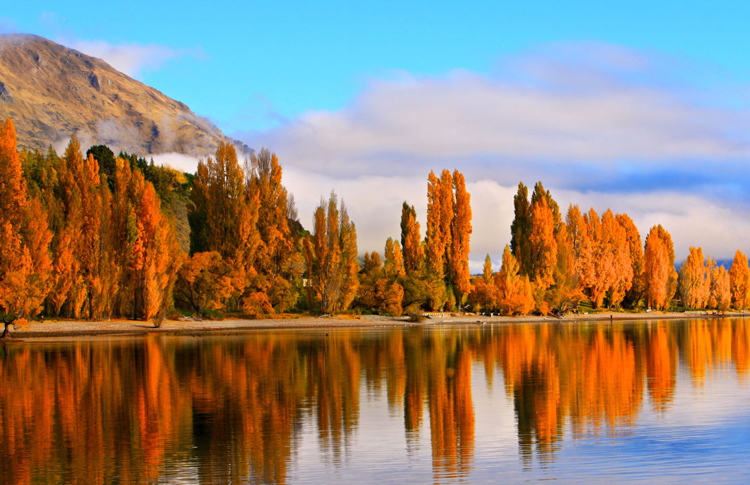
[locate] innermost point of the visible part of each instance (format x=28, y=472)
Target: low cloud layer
x=600, y=125
x=131, y=59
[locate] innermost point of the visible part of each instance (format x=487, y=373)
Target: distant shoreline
x=82, y=328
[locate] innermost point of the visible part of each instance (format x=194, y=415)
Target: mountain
x=52, y=92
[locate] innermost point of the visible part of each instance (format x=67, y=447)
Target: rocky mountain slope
x=52, y=92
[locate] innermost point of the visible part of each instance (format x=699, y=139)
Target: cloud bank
x=132, y=59
x=600, y=125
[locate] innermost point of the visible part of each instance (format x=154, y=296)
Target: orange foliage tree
x=447, y=240
x=331, y=258
x=603, y=260
x=224, y=217
x=520, y=228
x=204, y=282
x=694, y=280
x=739, y=277
x=565, y=294
x=149, y=254
x=24, y=239
x=634, y=295
x=79, y=247
x=484, y=292
x=515, y=296
x=276, y=253
x=542, y=242
x=438, y=235
x=411, y=240
x=721, y=291
x=460, y=239
x=377, y=289
x=660, y=277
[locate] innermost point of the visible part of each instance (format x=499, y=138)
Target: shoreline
x=83, y=328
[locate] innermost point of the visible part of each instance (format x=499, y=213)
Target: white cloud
x=553, y=113
x=178, y=161
x=131, y=59
x=600, y=125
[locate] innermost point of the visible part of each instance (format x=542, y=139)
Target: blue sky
x=635, y=105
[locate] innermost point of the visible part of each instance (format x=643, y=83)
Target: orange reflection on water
x=232, y=409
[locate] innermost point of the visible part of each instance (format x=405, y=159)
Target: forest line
x=94, y=237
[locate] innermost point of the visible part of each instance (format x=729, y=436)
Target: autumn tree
x=438, y=235
x=377, y=290
x=411, y=240
x=694, y=280
x=80, y=265
x=447, y=239
x=394, y=260
x=24, y=239
x=565, y=294
x=520, y=228
x=275, y=259
x=660, y=276
x=224, y=217
x=616, y=252
x=331, y=257
x=148, y=254
x=515, y=296
x=721, y=292
x=602, y=251
x=484, y=295
x=460, y=277
x=634, y=295
x=542, y=243
x=204, y=282
x=739, y=276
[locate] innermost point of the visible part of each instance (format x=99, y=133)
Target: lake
x=665, y=401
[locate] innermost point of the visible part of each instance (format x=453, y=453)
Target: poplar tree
x=739, y=275
x=24, y=239
x=460, y=277
x=438, y=235
x=331, y=258
x=520, y=228
x=634, y=295
x=82, y=269
x=694, y=280
x=276, y=251
x=660, y=276
x=411, y=240
x=515, y=296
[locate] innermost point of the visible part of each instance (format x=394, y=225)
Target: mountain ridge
x=52, y=92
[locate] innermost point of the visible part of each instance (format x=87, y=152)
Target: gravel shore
x=77, y=328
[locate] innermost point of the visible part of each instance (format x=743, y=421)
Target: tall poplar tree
x=24, y=239
x=411, y=241
x=460, y=277
x=331, y=258
x=739, y=276
x=660, y=276
x=277, y=248
x=520, y=228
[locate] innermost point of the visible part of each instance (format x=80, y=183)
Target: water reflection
x=227, y=409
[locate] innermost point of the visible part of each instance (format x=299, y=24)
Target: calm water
x=654, y=401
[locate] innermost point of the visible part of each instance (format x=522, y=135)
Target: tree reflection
x=233, y=408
